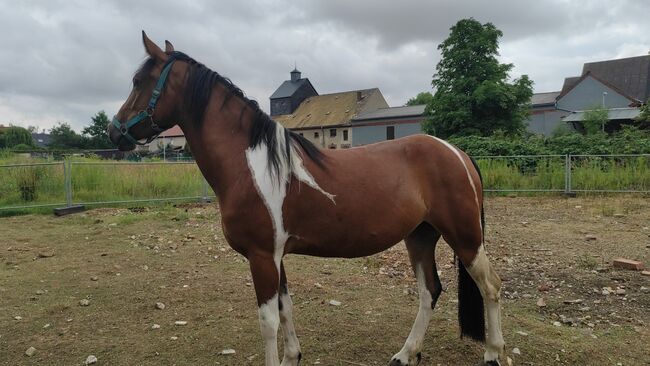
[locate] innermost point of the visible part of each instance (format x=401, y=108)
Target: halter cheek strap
x=124, y=127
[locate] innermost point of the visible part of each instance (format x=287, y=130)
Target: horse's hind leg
x=421, y=244
x=489, y=284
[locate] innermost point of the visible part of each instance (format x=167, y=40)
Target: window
x=345, y=135
x=390, y=133
x=316, y=135
x=333, y=132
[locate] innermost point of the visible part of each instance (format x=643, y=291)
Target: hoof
x=492, y=363
x=396, y=362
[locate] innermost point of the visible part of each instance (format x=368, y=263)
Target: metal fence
x=67, y=183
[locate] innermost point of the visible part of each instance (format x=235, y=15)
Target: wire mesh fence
x=32, y=185
x=101, y=183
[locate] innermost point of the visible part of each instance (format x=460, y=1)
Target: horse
x=279, y=194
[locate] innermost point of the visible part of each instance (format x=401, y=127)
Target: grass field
x=124, y=261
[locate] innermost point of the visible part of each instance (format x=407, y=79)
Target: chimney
x=295, y=75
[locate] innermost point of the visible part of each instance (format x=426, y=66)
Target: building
x=387, y=124
x=621, y=86
x=173, y=139
x=289, y=95
x=326, y=120
x=42, y=140
x=341, y=120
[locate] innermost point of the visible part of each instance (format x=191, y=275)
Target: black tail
x=470, y=306
x=471, y=315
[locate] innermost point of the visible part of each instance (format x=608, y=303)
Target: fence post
x=67, y=182
x=206, y=188
x=567, y=176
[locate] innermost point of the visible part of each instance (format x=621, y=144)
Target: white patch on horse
x=273, y=189
x=469, y=176
x=408, y=354
x=271, y=192
x=301, y=173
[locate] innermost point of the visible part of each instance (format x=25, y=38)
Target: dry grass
x=178, y=256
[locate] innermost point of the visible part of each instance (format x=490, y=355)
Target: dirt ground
x=122, y=262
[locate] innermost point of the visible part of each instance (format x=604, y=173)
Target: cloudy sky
x=64, y=60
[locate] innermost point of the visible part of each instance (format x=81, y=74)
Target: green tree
x=64, y=137
x=96, y=134
x=473, y=95
x=595, y=119
x=421, y=98
x=15, y=135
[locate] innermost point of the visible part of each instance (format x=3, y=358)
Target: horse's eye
x=136, y=82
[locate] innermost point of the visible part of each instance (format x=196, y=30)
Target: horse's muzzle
x=116, y=137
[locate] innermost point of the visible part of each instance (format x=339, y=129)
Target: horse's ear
x=169, y=47
x=152, y=49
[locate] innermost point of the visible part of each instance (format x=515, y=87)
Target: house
x=326, y=120
x=173, y=139
x=620, y=85
x=42, y=140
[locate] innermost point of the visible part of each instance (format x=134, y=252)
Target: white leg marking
x=490, y=286
x=413, y=345
x=469, y=176
x=269, y=323
x=291, y=343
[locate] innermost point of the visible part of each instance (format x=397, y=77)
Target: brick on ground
x=628, y=264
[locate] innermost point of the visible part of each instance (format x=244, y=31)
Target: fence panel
x=523, y=173
x=99, y=183
x=610, y=173
x=32, y=185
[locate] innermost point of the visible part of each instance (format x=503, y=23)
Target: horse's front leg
x=266, y=278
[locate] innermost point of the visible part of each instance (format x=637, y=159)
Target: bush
x=630, y=140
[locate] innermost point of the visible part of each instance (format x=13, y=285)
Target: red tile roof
x=173, y=132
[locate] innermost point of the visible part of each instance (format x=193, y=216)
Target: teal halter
x=147, y=113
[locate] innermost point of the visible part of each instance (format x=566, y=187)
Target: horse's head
x=150, y=108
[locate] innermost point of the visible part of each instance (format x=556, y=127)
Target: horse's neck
x=219, y=144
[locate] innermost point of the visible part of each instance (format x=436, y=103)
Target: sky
x=65, y=60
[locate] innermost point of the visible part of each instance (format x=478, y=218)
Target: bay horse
x=280, y=194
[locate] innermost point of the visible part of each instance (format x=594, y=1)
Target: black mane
x=200, y=83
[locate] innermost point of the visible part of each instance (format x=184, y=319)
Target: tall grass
x=93, y=182
x=96, y=182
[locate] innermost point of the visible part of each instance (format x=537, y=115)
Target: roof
x=327, y=109
x=569, y=83
x=630, y=75
x=392, y=112
x=172, y=132
x=548, y=98
x=288, y=87
x=613, y=114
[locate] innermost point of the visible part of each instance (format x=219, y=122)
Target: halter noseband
x=149, y=111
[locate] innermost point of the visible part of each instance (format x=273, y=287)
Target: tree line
x=62, y=136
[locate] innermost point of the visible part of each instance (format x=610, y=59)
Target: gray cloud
x=65, y=60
